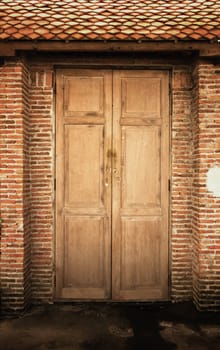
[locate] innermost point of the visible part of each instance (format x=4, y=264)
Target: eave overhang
x=202, y=48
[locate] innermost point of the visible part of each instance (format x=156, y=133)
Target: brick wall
x=14, y=190
x=41, y=165
x=26, y=183
x=206, y=203
x=181, y=175
x=27, y=198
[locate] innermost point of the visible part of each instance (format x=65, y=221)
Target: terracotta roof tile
x=110, y=20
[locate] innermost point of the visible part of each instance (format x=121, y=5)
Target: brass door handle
x=116, y=172
x=107, y=173
x=108, y=168
x=111, y=158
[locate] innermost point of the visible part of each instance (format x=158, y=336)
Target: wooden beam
x=205, y=49
x=210, y=52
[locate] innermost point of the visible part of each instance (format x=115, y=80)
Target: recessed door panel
x=140, y=257
x=141, y=167
x=76, y=88
x=83, y=175
x=144, y=103
x=80, y=233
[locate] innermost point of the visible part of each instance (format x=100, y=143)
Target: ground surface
x=112, y=327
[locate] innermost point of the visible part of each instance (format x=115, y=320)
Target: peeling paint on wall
x=213, y=181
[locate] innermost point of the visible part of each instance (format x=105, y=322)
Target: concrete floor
x=112, y=327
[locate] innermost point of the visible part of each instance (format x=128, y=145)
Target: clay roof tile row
x=110, y=20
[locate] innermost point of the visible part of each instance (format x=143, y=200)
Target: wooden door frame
x=126, y=66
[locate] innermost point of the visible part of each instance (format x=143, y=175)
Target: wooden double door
x=112, y=155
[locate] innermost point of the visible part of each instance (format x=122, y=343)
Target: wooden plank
x=207, y=49
x=141, y=120
x=78, y=120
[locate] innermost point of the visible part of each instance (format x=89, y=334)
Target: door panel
x=141, y=148
x=76, y=88
x=112, y=155
x=140, y=249
x=83, y=178
x=140, y=185
x=83, y=260
x=143, y=103
x=83, y=201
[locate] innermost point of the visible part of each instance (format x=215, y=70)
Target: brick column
x=206, y=187
x=41, y=164
x=14, y=188
x=181, y=235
